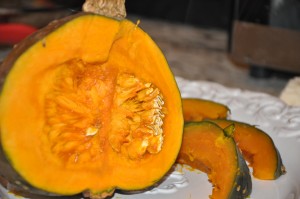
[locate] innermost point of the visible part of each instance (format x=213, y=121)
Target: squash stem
x=229, y=130
x=109, y=8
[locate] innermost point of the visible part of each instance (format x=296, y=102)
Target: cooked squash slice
x=257, y=148
x=196, y=109
x=212, y=150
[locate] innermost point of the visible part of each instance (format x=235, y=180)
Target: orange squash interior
x=196, y=109
x=90, y=105
x=257, y=148
x=207, y=148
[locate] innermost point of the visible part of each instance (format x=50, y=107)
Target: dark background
x=206, y=13
x=203, y=13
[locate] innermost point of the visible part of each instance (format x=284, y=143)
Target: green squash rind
x=243, y=179
x=280, y=168
x=242, y=184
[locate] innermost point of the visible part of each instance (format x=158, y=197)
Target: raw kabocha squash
x=195, y=109
x=89, y=105
x=208, y=148
x=257, y=148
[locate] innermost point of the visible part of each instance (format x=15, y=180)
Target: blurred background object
x=202, y=13
x=13, y=33
x=250, y=44
x=37, y=13
x=266, y=35
x=291, y=92
x=20, y=18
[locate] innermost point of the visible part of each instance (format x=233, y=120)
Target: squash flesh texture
x=108, y=50
x=206, y=148
x=199, y=109
x=257, y=148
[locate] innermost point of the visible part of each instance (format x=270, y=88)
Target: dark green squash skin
x=280, y=168
x=242, y=186
x=243, y=179
x=243, y=182
x=14, y=183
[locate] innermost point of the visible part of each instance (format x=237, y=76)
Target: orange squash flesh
x=68, y=108
x=206, y=147
x=195, y=109
x=257, y=148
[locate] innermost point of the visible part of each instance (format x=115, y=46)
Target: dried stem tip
x=110, y=8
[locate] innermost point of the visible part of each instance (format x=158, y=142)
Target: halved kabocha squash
x=89, y=105
x=211, y=149
x=257, y=148
x=196, y=109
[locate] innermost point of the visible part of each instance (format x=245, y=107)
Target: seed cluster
x=90, y=108
x=137, y=118
x=75, y=111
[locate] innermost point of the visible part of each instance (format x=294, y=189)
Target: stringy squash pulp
x=90, y=104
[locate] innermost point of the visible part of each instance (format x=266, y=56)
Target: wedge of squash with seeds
x=89, y=105
x=211, y=149
x=197, y=109
x=257, y=148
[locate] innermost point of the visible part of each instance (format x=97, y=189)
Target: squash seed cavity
x=90, y=108
x=137, y=123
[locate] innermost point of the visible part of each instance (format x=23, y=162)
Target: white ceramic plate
x=280, y=121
